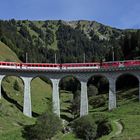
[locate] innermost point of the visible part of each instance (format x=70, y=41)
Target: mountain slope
x=69, y=40
x=6, y=54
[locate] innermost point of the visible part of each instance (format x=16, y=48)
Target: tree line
x=72, y=43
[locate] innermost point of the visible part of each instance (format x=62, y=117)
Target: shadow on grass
x=12, y=101
x=66, y=118
x=67, y=101
x=99, y=110
x=66, y=110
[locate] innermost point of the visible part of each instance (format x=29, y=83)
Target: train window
x=72, y=65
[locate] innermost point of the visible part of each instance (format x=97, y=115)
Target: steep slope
x=12, y=119
x=102, y=31
x=6, y=54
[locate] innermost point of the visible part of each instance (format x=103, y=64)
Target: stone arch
x=41, y=93
x=98, y=89
x=68, y=76
x=127, y=84
x=69, y=91
x=13, y=90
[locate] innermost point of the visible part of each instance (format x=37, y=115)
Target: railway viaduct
x=82, y=75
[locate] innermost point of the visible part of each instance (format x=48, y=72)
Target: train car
x=80, y=66
x=110, y=64
x=127, y=63
x=41, y=66
x=11, y=65
x=131, y=63
x=65, y=66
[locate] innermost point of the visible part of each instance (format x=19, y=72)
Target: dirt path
x=119, y=126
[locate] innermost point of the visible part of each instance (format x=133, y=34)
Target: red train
x=51, y=66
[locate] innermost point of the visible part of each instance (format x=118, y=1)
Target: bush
x=46, y=127
x=103, y=128
x=16, y=86
x=92, y=90
x=85, y=128
x=103, y=124
x=97, y=101
x=75, y=107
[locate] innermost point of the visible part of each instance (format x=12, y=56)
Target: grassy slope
x=40, y=93
x=41, y=96
x=65, y=97
x=129, y=115
x=7, y=54
x=12, y=119
x=127, y=112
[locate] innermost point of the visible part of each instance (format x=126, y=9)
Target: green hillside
x=69, y=40
x=12, y=119
x=6, y=54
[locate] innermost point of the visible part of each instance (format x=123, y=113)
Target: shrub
x=85, y=128
x=92, y=90
x=103, y=124
x=16, y=86
x=103, y=128
x=97, y=101
x=45, y=127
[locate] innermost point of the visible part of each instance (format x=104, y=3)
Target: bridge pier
x=55, y=96
x=112, y=93
x=1, y=77
x=84, y=99
x=27, y=109
x=139, y=87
